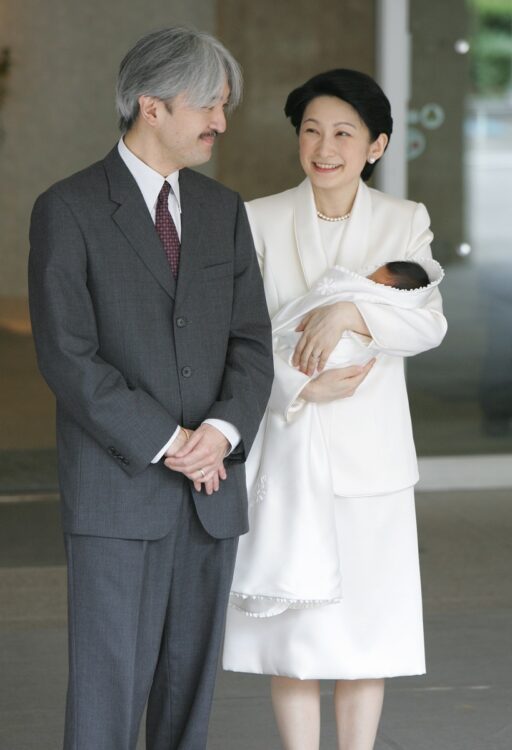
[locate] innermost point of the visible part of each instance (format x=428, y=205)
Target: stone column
x=58, y=112
x=280, y=45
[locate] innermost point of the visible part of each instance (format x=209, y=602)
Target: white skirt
x=375, y=631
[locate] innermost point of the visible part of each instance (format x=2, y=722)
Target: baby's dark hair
x=408, y=275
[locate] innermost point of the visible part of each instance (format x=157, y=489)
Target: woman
x=370, y=624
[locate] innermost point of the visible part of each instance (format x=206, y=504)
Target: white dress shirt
x=150, y=184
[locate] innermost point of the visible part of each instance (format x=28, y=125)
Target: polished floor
x=464, y=703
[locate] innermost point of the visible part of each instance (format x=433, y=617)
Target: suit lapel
x=353, y=247
x=193, y=217
x=307, y=234
x=133, y=219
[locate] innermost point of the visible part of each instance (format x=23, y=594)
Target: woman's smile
x=325, y=167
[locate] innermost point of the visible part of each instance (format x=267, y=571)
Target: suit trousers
x=145, y=625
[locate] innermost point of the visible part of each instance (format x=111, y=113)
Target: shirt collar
x=149, y=181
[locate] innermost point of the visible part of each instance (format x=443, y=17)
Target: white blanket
x=289, y=558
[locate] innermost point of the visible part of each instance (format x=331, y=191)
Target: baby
x=402, y=283
x=401, y=274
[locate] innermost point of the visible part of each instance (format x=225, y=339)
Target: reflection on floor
x=463, y=703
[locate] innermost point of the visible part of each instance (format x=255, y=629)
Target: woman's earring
x=372, y=160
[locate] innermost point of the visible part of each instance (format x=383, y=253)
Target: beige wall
x=280, y=45
x=59, y=115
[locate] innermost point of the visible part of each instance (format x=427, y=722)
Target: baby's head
x=401, y=274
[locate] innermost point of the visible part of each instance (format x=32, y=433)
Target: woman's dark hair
x=357, y=89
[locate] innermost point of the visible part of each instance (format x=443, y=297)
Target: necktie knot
x=164, y=192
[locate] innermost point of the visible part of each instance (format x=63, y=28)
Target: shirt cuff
x=229, y=431
x=288, y=384
x=167, y=445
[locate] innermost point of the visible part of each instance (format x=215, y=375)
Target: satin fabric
x=375, y=631
x=290, y=557
x=373, y=427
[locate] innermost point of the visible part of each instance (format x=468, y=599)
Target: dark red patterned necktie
x=166, y=229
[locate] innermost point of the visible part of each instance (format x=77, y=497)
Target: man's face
x=186, y=134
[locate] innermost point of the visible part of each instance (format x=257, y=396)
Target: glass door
x=460, y=166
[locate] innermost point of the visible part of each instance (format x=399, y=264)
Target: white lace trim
x=433, y=268
x=290, y=603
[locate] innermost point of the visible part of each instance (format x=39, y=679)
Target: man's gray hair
x=173, y=61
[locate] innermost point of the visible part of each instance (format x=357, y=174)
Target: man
x=151, y=328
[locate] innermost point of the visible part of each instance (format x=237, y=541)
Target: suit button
x=186, y=372
x=181, y=322
x=112, y=451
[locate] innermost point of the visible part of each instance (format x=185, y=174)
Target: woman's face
x=335, y=144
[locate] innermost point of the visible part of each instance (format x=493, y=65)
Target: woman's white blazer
x=369, y=434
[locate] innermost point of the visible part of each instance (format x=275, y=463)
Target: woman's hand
x=336, y=384
x=321, y=329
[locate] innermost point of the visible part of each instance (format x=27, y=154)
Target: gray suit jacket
x=130, y=353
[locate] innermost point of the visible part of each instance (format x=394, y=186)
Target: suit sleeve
x=129, y=424
x=405, y=333
x=249, y=369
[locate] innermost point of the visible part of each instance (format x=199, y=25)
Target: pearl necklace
x=333, y=218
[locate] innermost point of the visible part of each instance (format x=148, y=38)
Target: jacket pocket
x=217, y=271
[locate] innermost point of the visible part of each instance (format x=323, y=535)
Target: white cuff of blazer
x=229, y=431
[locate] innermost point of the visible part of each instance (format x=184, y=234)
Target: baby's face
x=382, y=276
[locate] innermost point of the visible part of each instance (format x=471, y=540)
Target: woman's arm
x=335, y=384
x=404, y=333
x=322, y=329
x=292, y=388
x=394, y=330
